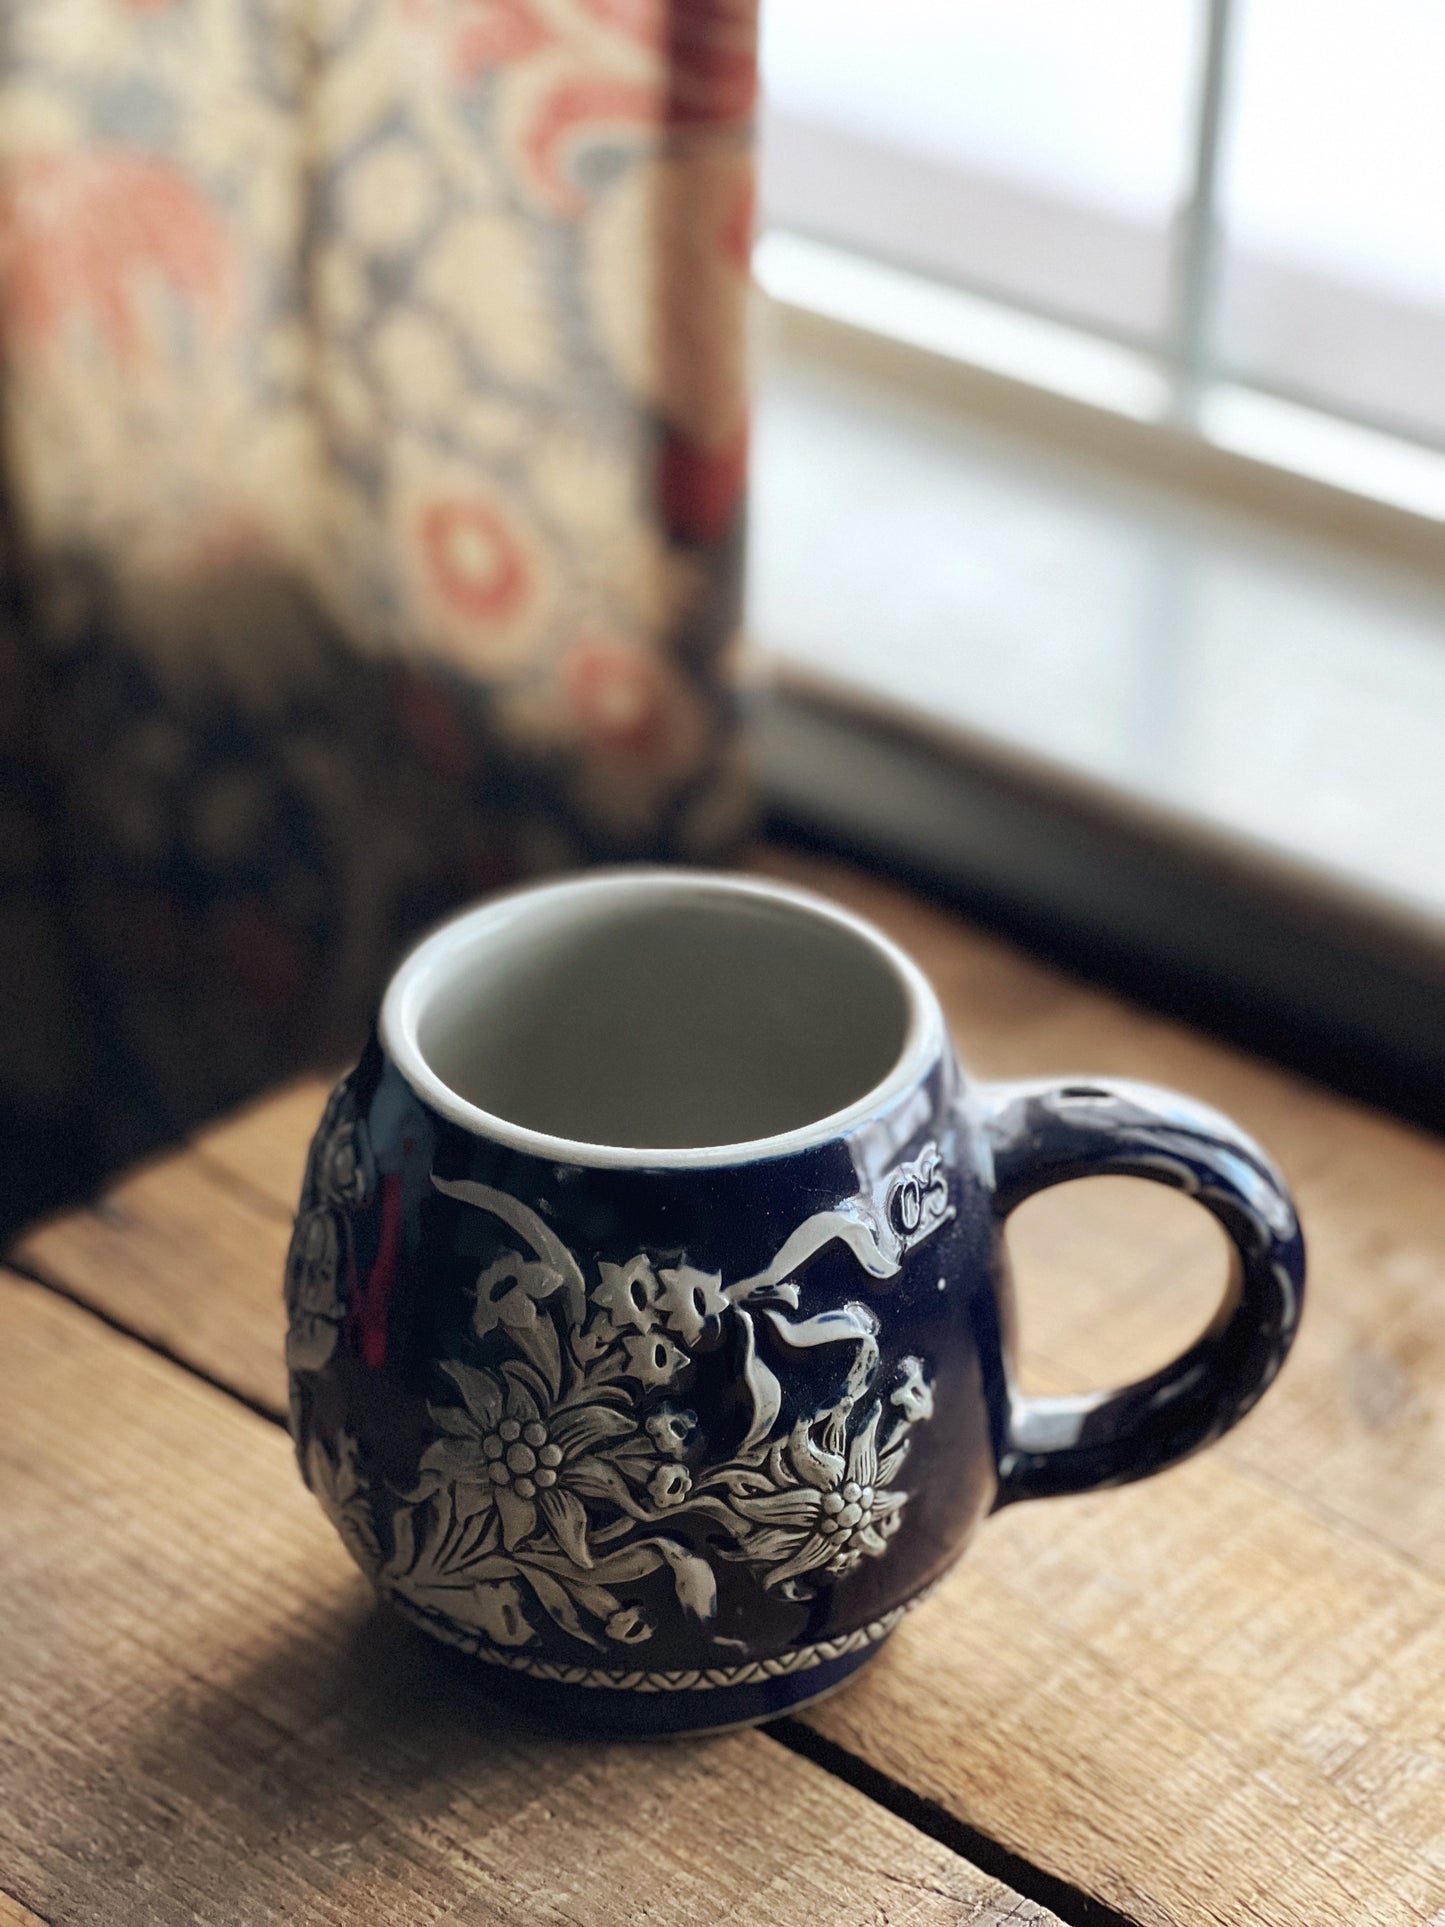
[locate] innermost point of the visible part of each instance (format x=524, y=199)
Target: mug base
x=636, y=1707
x=609, y=1713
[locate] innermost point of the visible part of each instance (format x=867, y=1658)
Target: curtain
x=373, y=469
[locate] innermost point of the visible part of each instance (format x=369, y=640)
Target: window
x=1099, y=479
x=1246, y=192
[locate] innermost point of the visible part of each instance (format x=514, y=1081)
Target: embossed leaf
x=793, y=1507
x=518, y=1516
x=420, y=1535
x=454, y=1420
x=481, y=1392
x=743, y=1478
x=863, y=1454
x=692, y=1579
x=525, y=1393
x=765, y=1546
x=599, y=1478
x=494, y=1608
x=403, y=1542
x=452, y=1459
x=567, y=1518
x=343, y=1494
x=579, y=1428
x=822, y=1470
x=480, y=1536
x=762, y=1384
x=538, y=1339
x=813, y=1552
x=690, y=1300
x=556, y=1601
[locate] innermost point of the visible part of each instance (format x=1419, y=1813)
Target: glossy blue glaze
x=774, y=1395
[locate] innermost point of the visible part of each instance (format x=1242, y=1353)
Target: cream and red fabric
x=375, y=442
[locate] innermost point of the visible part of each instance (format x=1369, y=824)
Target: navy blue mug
x=650, y=1318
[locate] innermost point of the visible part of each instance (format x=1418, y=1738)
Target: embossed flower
x=679, y=1299
x=914, y=1396
x=670, y=1485
x=654, y=1359
x=628, y=1294
x=671, y=1430
x=339, y=1172
x=341, y=1177
x=509, y=1291
x=312, y=1298
x=629, y=1625
x=690, y=1300
x=821, y=1506
x=335, y=1478
x=523, y=1463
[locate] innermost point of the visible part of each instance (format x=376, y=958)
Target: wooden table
x=1216, y=1697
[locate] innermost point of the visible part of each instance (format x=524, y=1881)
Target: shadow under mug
x=650, y=1318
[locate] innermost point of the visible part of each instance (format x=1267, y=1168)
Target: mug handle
x=1047, y=1132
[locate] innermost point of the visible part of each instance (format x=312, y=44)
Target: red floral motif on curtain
x=88, y=235
x=376, y=433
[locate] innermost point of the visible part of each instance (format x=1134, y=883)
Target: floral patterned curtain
x=374, y=451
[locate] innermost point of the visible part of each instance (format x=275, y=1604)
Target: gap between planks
x=1214, y=1706
x=1072, y=1906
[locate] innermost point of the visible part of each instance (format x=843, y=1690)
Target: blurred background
x=377, y=460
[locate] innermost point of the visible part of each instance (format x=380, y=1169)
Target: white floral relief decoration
x=338, y=1180
x=556, y=1477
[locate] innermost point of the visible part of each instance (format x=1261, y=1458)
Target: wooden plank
x=209, y=1719
x=1217, y=1697
x=1195, y=1701
x=263, y=1147
x=12, y=1914
x=186, y=1258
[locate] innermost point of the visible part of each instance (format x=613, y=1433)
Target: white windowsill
x=1275, y=686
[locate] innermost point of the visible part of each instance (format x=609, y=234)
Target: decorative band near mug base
x=650, y=1327
x=605, y=1700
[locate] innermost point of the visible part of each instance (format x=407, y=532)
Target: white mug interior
x=659, y=1016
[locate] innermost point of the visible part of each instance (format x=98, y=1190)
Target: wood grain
x=12, y=1914
x=263, y=1147
x=1215, y=1698
x=186, y=1258
x=207, y=1717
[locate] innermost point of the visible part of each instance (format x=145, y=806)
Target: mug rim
x=407, y=995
